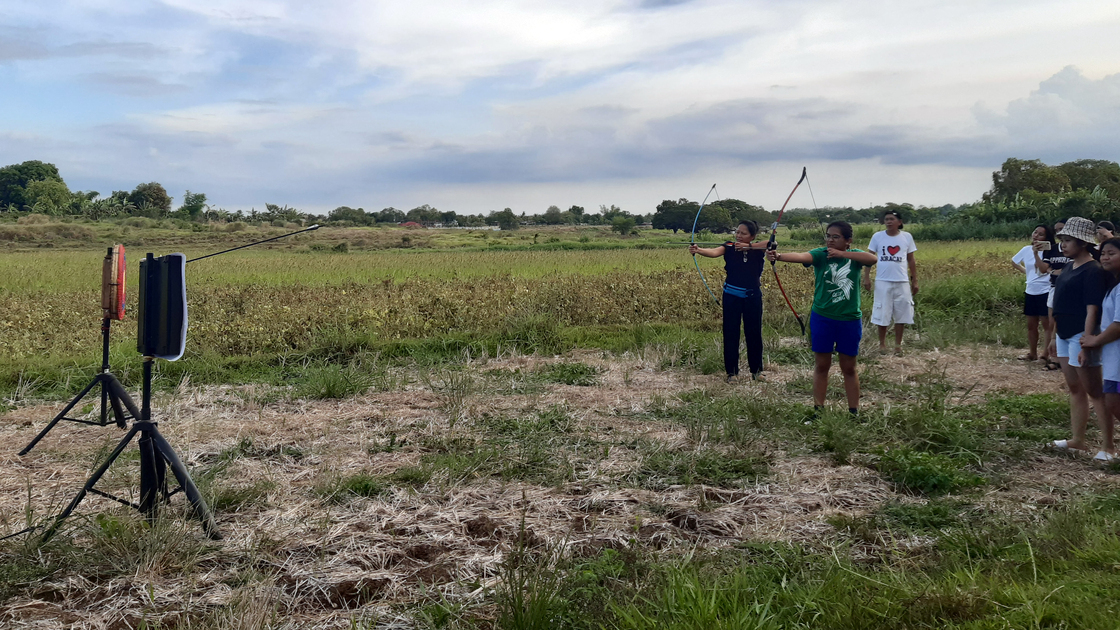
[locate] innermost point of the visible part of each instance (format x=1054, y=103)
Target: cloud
x=1069, y=116
x=306, y=102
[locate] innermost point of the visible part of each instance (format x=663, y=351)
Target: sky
x=481, y=105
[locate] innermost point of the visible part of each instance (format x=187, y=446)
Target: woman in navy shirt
x=742, y=296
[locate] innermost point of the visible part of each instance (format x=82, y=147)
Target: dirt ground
x=323, y=564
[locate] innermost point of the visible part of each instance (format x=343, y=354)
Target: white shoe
x=1102, y=456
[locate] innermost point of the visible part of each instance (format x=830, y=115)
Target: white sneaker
x=1102, y=456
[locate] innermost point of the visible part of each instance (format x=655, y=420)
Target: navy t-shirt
x=743, y=268
x=1057, y=261
x=1076, y=289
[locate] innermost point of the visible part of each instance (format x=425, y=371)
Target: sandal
x=1063, y=445
x=1027, y=357
x=1052, y=365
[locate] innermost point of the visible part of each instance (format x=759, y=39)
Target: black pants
x=749, y=311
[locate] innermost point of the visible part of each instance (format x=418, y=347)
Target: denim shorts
x=828, y=334
x=1111, y=387
x=1070, y=348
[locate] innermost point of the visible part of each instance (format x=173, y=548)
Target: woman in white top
x=1031, y=260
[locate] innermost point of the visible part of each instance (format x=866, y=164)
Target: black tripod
x=111, y=391
x=156, y=455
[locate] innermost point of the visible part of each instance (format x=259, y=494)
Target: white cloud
x=322, y=102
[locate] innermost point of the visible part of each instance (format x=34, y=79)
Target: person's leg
x=851, y=380
x=822, y=363
x=902, y=310
x=1032, y=336
x=882, y=312
x=752, y=331
x=1112, y=404
x=1078, y=405
x=1048, y=336
x=1090, y=377
x=732, y=315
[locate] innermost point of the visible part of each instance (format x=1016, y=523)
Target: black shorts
x=1035, y=305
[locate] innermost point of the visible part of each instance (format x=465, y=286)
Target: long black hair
x=1049, y=233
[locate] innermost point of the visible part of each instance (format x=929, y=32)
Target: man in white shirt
x=896, y=280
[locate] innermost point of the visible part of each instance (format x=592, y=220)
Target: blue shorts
x=1111, y=387
x=1070, y=348
x=828, y=334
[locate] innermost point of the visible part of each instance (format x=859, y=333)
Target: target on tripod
x=112, y=283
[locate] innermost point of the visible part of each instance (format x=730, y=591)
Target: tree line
x=1022, y=191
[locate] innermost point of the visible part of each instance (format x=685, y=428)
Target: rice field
x=465, y=437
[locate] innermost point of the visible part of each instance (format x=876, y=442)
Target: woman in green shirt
x=836, y=321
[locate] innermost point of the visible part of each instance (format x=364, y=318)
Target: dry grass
x=293, y=556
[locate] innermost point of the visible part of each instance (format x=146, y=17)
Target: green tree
x=675, y=215
x=14, y=179
x=390, y=215
x=553, y=216
x=357, y=216
x=193, y=205
x=1016, y=176
x=623, y=225
x=505, y=220
x=48, y=196
x=151, y=199
x=577, y=214
x=423, y=214
x=743, y=211
x=1092, y=174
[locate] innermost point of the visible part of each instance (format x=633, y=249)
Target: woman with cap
x=1078, y=295
x=744, y=261
x=1032, y=260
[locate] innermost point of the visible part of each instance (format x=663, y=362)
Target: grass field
x=451, y=436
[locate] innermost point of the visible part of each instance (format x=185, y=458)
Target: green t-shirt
x=836, y=295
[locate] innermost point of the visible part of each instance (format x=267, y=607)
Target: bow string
x=692, y=241
x=773, y=244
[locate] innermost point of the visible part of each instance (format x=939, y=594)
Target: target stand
x=112, y=307
x=162, y=334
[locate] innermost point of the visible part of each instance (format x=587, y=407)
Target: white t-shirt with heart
x=892, y=251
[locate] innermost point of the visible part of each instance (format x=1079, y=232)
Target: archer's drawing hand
x=836, y=253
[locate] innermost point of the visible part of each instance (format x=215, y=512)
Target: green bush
x=573, y=373
x=927, y=473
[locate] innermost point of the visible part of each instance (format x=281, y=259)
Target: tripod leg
x=185, y=481
x=105, y=406
x=153, y=473
x=91, y=482
x=120, y=394
x=73, y=403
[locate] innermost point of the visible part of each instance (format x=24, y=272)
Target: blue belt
x=731, y=289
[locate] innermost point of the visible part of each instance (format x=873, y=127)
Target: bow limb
x=773, y=244
x=692, y=241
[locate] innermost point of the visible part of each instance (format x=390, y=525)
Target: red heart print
x=893, y=249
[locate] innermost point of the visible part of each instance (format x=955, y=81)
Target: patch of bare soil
x=294, y=553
